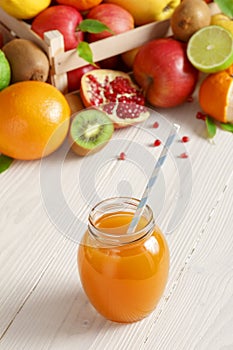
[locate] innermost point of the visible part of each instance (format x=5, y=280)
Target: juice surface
x=124, y=283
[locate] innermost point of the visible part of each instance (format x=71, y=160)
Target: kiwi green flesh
x=90, y=128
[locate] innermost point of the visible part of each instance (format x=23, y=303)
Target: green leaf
x=226, y=6
x=84, y=51
x=5, y=162
x=227, y=126
x=93, y=26
x=211, y=127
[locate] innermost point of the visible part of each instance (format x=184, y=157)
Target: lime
x=5, y=71
x=210, y=49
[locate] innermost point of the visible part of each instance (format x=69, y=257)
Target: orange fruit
x=34, y=120
x=80, y=5
x=216, y=95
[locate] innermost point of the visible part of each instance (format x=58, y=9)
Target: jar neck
x=116, y=235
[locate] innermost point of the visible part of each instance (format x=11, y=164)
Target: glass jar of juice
x=123, y=275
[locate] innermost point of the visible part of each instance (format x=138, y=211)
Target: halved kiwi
x=90, y=130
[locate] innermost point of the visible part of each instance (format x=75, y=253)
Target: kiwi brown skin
x=27, y=61
x=188, y=17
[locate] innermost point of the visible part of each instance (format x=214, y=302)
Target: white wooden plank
x=23, y=227
x=199, y=314
x=56, y=313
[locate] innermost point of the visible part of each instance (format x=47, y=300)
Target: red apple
x=74, y=76
x=113, y=16
x=63, y=18
x=164, y=72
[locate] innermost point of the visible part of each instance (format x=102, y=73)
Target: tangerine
x=80, y=5
x=216, y=95
x=34, y=119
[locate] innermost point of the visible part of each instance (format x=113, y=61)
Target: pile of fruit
x=35, y=116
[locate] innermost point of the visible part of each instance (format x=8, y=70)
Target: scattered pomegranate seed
x=201, y=116
x=185, y=139
x=122, y=156
x=157, y=143
x=155, y=125
x=184, y=155
x=190, y=99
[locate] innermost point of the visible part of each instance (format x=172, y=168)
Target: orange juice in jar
x=123, y=275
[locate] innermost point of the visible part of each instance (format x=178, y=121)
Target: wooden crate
x=61, y=62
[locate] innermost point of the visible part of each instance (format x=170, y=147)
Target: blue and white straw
x=153, y=178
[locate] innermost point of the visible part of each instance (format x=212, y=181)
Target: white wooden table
x=42, y=304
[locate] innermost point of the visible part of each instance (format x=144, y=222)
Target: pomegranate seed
x=190, y=99
x=108, y=108
x=157, y=143
x=122, y=156
x=201, y=116
x=92, y=78
x=121, y=97
x=156, y=125
x=185, y=139
x=184, y=155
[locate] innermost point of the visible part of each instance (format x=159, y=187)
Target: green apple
x=147, y=11
x=223, y=21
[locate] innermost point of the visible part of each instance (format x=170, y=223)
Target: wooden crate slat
x=62, y=62
x=111, y=46
x=54, y=40
x=21, y=29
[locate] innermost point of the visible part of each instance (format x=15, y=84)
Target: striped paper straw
x=153, y=178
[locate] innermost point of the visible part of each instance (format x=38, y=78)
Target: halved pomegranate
x=115, y=93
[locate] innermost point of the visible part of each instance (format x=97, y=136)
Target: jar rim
x=114, y=205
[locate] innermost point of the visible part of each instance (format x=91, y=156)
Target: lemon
x=222, y=20
x=5, y=71
x=210, y=49
x=24, y=9
x=147, y=11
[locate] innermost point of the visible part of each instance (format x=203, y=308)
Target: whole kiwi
x=188, y=17
x=27, y=61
